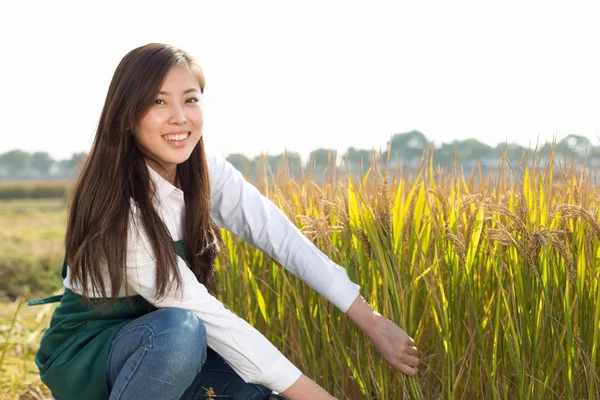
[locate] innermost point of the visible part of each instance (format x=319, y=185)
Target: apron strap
x=51, y=299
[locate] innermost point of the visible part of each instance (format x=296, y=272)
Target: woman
x=137, y=320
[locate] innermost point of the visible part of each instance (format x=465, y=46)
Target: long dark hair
x=115, y=174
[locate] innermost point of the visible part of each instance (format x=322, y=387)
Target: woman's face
x=172, y=127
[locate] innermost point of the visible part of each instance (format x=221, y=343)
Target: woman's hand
x=395, y=346
x=393, y=343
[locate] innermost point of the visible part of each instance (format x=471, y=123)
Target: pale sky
x=308, y=74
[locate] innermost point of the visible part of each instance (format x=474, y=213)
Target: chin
x=179, y=160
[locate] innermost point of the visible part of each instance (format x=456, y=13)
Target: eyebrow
x=186, y=92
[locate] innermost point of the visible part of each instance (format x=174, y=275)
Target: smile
x=176, y=137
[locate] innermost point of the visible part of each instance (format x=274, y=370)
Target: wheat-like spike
x=408, y=225
x=506, y=238
x=383, y=207
x=434, y=211
x=365, y=242
x=316, y=187
x=344, y=214
x=500, y=236
x=521, y=209
x=577, y=193
x=433, y=240
x=559, y=238
x=537, y=240
x=577, y=337
x=307, y=222
x=570, y=210
x=443, y=196
x=516, y=219
x=504, y=197
x=459, y=246
x=339, y=212
x=468, y=200
x=470, y=223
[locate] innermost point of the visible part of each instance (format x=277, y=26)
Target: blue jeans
x=163, y=355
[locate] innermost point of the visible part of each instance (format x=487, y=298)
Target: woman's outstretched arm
x=239, y=207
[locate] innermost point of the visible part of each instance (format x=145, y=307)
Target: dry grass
x=20, y=333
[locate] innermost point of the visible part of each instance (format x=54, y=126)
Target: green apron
x=74, y=350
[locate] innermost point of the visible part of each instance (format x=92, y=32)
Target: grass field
x=495, y=277
x=31, y=251
x=31, y=246
x=34, y=189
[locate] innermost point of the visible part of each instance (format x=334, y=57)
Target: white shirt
x=237, y=206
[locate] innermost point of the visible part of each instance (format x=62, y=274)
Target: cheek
x=196, y=122
x=156, y=123
x=149, y=129
x=152, y=123
x=145, y=133
x=196, y=117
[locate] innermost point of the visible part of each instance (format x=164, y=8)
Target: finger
x=411, y=341
x=408, y=370
x=405, y=361
x=412, y=350
x=412, y=361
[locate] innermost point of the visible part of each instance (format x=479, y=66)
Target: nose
x=178, y=116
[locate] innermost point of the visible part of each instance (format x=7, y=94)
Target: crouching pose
x=137, y=319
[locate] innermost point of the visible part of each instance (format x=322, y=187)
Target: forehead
x=179, y=79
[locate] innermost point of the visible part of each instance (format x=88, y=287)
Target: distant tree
x=72, y=166
x=240, y=162
x=574, y=145
x=354, y=157
x=321, y=158
x=291, y=160
x=407, y=147
x=444, y=155
x=294, y=162
x=514, y=152
x=473, y=149
x=41, y=163
x=546, y=149
x=595, y=154
x=15, y=163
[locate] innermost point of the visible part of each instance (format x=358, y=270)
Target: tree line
x=402, y=148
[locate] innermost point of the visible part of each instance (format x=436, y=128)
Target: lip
x=177, y=143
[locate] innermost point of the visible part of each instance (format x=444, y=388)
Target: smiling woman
x=172, y=127
x=143, y=232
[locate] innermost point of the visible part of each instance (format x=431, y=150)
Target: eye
x=159, y=101
x=192, y=100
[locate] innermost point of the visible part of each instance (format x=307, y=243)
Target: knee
x=185, y=334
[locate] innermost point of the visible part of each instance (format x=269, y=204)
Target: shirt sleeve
x=244, y=348
x=239, y=207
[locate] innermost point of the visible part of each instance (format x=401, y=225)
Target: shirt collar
x=164, y=189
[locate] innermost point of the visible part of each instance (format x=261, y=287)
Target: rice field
x=496, y=278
